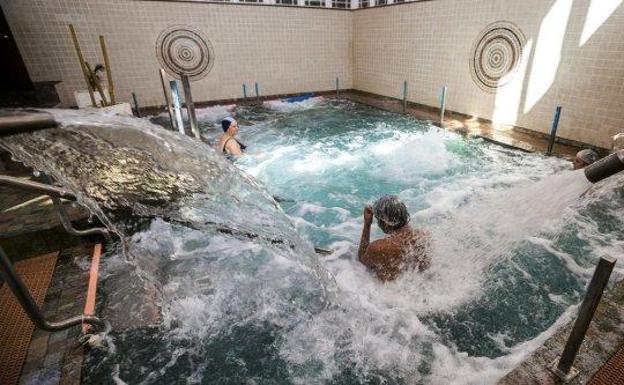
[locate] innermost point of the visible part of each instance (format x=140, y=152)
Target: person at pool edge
x=584, y=158
x=405, y=247
x=228, y=143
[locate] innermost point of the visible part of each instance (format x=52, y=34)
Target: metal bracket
x=565, y=377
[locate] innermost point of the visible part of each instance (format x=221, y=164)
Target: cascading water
x=242, y=299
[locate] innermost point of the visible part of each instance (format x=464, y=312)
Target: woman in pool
x=228, y=143
x=405, y=248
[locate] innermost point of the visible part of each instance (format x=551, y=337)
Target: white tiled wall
x=429, y=44
x=294, y=49
x=285, y=50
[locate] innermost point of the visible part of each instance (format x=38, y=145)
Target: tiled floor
x=56, y=358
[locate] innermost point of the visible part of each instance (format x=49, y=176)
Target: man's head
x=230, y=126
x=391, y=213
x=585, y=158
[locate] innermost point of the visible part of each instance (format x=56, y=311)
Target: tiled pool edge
x=515, y=137
x=603, y=339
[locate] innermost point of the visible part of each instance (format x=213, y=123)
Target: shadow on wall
x=537, y=69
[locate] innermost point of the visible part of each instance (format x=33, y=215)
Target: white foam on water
x=285, y=106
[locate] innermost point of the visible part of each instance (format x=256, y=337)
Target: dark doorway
x=13, y=73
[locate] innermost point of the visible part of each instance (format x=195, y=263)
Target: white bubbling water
x=285, y=106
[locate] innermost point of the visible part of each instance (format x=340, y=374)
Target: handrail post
x=245, y=91
x=190, y=106
x=136, y=105
x=177, y=108
x=562, y=368
x=161, y=72
x=404, y=96
x=257, y=92
x=443, y=104
x=30, y=306
x=337, y=87
x=553, y=130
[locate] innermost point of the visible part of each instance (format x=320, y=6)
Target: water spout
x=605, y=167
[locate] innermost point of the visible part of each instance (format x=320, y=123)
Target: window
x=313, y=3
x=382, y=2
x=364, y=4
x=340, y=3
x=286, y=2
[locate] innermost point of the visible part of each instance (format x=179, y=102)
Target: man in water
x=228, y=143
x=584, y=158
x=405, y=247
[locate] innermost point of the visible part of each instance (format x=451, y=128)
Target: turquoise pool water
x=514, y=240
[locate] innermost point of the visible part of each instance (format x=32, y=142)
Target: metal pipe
x=16, y=122
x=190, y=107
x=177, y=108
x=404, y=96
x=586, y=313
x=109, y=75
x=244, y=91
x=605, y=167
x=443, y=104
x=74, y=37
x=161, y=72
x=67, y=225
x=96, y=83
x=23, y=184
x=21, y=293
x=257, y=92
x=553, y=130
x=337, y=87
x=136, y=105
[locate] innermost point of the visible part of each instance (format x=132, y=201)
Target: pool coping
x=509, y=136
x=603, y=339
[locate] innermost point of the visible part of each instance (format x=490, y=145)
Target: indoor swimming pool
x=216, y=283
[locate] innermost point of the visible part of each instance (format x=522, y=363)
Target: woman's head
x=391, y=213
x=229, y=126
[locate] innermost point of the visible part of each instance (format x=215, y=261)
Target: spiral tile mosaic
x=182, y=50
x=496, y=54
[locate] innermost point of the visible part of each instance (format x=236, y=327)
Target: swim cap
x=588, y=156
x=226, y=123
x=391, y=211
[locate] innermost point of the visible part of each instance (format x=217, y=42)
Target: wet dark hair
x=391, y=212
x=226, y=123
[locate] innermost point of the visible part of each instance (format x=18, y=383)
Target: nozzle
x=605, y=167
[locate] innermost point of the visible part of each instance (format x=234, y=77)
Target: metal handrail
x=9, y=274
x=30, y=306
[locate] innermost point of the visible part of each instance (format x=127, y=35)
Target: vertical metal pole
x=586, y=313
x=337, y=87
x=257, y=92
x=190, y=107
x=245, y=91
x=177, y=108
x=161, y=72
x=136, y=105
x=404, y=96
x=74, y=37
x=109, y=74
x=553, y=130
x=443, y=104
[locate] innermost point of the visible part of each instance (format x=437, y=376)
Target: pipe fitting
x=605, y=167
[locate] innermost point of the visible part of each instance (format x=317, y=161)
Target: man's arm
x=365, y=237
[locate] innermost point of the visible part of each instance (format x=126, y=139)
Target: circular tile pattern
x=496, y=54
x=182, y=50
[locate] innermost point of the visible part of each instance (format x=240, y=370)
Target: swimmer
x=405, y=247
x=584, y=158
x=228, y=142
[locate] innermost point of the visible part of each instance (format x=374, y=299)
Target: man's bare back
x=404, y=249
